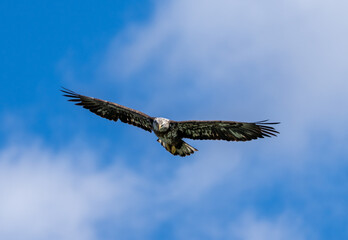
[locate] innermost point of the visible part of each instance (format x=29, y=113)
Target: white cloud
x=246, y=225
x=206, y=36
x=231, y=57
x=283, y=227
x=47, y=195
x=195, y=179
x=64, y=194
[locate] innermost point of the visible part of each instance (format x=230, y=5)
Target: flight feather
x=225, y=130
x=110, y=110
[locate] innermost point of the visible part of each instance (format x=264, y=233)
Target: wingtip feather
x=266, y=130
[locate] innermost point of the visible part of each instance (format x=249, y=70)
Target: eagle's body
x=170, y=133
x=168, y=137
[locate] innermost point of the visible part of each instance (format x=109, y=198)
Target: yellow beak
x=159, y=127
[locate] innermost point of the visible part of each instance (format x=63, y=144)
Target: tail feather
x=182, y=148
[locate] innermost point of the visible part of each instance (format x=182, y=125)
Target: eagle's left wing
x=224, y=130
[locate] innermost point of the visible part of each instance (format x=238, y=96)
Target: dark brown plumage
x=225, y=130
x=110, y=110
x=170, y=133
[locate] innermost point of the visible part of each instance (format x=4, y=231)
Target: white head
x=161, y=124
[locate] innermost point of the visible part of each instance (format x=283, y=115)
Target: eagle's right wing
x=224, y=130
x=111, y=111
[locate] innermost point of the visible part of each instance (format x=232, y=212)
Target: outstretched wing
x=111, y=111
x=225, y=130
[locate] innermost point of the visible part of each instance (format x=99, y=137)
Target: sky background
x=68, y=174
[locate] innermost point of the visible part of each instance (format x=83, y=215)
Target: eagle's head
x=161, y=124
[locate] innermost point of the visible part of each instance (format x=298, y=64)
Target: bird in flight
x=170, y=133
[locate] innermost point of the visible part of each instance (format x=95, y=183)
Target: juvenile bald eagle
x=170, y=133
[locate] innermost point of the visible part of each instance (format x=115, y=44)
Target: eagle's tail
x=182, y=148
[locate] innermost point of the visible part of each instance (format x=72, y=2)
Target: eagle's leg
x=180, y=148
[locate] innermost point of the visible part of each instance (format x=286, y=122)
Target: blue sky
x=68, y=174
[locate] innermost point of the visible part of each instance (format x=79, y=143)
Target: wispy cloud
x=250, y=227
x=287, y=57
x=243, y=60
x=63, y=195
x=48, y=194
